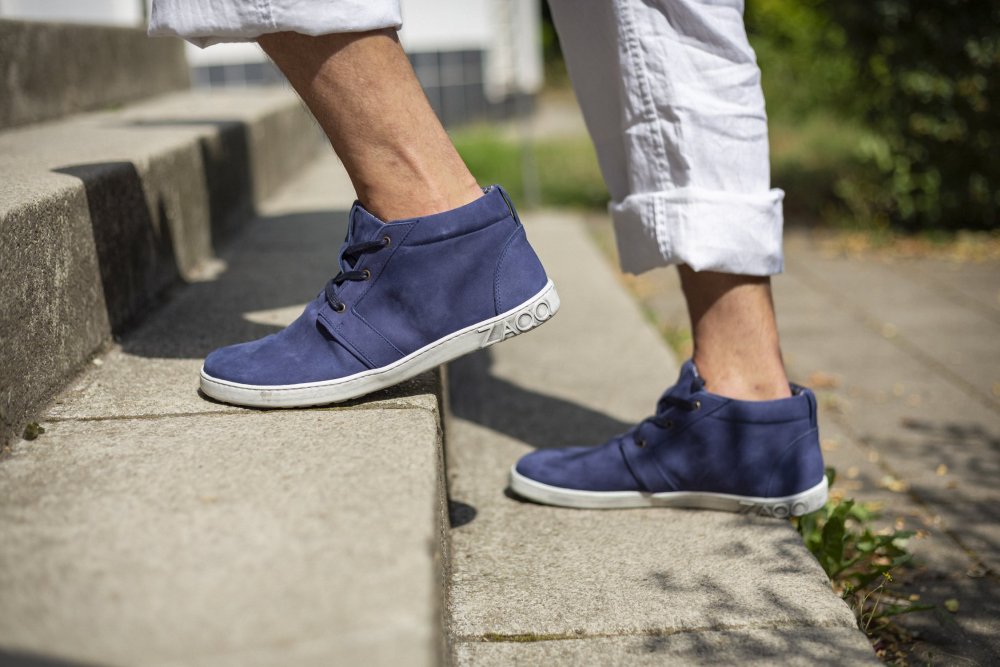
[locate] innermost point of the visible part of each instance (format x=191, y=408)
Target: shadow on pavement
x=536, y=419
x=12, y=658
x=273, y=269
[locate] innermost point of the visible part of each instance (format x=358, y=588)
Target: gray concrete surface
x=177, y=539
x=101, y=213
x=902, y=356
x=832, y=647
x=51, y=70
x=530, y=582
x=150, y=526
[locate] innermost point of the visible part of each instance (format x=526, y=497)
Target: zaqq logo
x=779, y=511
x=516, y=323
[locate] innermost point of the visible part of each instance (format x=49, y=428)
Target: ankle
x=757, y=380
x=402, y=202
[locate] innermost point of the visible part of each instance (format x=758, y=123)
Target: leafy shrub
x=928, y=77
x=858, y=559
x=805, y=65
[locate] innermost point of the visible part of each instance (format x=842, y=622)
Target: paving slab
x=169, y=540
x=804, y=646
x=151, y=526
x=521, y=571
x=951, y=339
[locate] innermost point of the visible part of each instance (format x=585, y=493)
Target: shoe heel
x=789, y=506
x=530, y=314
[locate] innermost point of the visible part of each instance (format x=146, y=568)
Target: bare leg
x=736, y=347
x=362, y=90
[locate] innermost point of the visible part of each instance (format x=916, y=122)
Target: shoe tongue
x=363, y=225
x=688, y=382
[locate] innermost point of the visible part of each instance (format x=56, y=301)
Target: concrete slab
x=150, y=526
x=128, y=385
x=102, y=213
x=956, y=340
x=520, y=569
x=212, y=538
x=54, y=69
x=803, y=646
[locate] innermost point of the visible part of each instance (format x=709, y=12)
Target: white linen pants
x=670, y=92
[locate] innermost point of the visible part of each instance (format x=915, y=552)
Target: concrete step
x=531, y=584
x=101, y=213
x=51, y=70
x=150, y=526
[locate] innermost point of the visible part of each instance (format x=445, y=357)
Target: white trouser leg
x=670, y=91
x=207, y=22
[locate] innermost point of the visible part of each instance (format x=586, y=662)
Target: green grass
x=809, y=158
x=566, y=167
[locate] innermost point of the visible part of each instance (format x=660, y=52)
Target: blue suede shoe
x=699, y=450
x=410, y=295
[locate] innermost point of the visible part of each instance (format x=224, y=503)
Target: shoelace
x=662, y=418
x=349, y=256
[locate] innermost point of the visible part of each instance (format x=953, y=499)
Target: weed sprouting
x=860, y=560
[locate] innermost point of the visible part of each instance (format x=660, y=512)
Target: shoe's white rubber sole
x=530, y=314
x=796, y=505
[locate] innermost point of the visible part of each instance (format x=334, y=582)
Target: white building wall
x=446, y=25
x=507, y=32
x=105, y=12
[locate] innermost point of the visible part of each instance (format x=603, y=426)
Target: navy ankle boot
x=410, y=295
x=700, y=450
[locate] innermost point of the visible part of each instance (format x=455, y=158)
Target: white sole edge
x=787, y=506
x=530, y=314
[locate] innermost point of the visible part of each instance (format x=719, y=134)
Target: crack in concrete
x=528, y=637
x=229, y=413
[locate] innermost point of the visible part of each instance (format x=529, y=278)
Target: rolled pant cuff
x=239, y=21
x=708, y=231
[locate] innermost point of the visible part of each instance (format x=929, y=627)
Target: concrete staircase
x=101, y=213
x=150, y=526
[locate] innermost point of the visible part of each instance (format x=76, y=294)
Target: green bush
x=916, y=84
x=805, y=66
x=928, y=72
x=816, y=132
x=565, y=168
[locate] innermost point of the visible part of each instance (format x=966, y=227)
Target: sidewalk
x=903, y=355
x=542, y=585
x=150, y=526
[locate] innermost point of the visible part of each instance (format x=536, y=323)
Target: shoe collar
x=488, y=209
x=691, y=387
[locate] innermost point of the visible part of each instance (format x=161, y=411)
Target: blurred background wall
x=476, y=59
x=884, y=114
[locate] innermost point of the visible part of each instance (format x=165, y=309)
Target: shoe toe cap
x=581, y=468
x=229, y=363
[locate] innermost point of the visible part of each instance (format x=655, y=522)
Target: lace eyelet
x=386, y=240
x=367, y=274
x=641, y=442
x=669, y=424
x=340, y=307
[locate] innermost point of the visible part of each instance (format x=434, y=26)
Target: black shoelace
x=349, y=257
x=663, y=417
